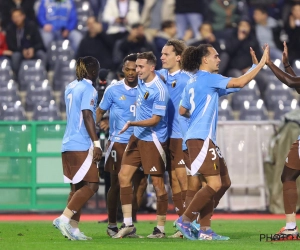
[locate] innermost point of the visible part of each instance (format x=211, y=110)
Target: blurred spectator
x=275, y=8
x=168, y=31
x=24, y=40
x=97, y=44
x=97, y=6
x=225, y=14
x=207, y=36
x=135, y=42
x=6, y=6
x=165, y=12
x=189, y=14
x=268, y=31
x=58, y=19
x=4, y=51
x=238, y=48
x=293, y=32
x=119, y=14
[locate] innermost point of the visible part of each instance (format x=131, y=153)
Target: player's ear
x=178, y=58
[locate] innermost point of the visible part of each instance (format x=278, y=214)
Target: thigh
x=204, y=157
x=175, y=154
x=113, y=157
x=187, y=161
x=223, y=165
x=153, y=157
x=132, y=154
x=293, y=161
x=78, y=166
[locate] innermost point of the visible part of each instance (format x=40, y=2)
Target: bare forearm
x=90, y=124
x=290, y=80
x=99, y=115
x=241, y=81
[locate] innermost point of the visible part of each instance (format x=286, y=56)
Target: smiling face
x=169, y=58
x=130, y=74
x=144, y=69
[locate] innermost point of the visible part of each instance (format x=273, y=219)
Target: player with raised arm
x=80, y=146
x=148, y=144
x=119, y=98
x=200, y=102
x=291, y=170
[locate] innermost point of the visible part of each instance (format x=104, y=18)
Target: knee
x=226, y=182
x=94, y=187
x=124, y=179
x=159, y=186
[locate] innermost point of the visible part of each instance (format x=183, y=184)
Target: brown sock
x=189, y=197
x=80, y=197
x=290, y=197
x=203, y=196
x=177, y=200
x=183, y=196
x=226, y=183
x=112, y=205
x=162, y=204
x=205, y=215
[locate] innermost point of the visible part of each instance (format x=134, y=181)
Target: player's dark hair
x=85, y=67
x=192, y=57
x=149, y=56
x=178, y=46
x=131, y=57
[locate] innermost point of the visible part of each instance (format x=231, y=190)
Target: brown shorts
x=293, y=159
x=186, y=158
x=223, y=165
x=204, y=157
x=146, y=154
x=113, y=156
x=79, y=166
x=176, y=157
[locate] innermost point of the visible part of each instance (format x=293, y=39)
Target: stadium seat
x=31, y=71
x=275, y=93
x=83, y=13
x=8, y=85
x=253, y=111
x=12, y=111
x=62, y=104
x=9, y=95
x=59, y=51
x=36, y=96
x=284, y=107
x=46, y=111
x=64, y=73
x=225, y=112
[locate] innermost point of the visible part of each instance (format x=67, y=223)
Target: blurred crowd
x=111, y=29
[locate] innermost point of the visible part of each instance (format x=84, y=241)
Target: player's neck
x=204, y=68
x=174, y=69
x=150, y=77
x=131, y=84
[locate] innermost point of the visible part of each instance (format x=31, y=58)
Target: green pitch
x=43, y=236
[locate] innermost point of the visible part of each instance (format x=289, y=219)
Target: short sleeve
x=185, y=100
x=107, y=99
x=160, y=103
x=89, y=98
x=218, y=81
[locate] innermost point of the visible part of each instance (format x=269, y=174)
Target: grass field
x=42, y=235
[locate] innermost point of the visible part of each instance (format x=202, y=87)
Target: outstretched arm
x=241, y=81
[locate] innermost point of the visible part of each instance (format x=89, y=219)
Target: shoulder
x=185, y=74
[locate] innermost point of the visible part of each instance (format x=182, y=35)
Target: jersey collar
x=148, y=84
x=127, y=87
x=89, y=81
x=174, y=73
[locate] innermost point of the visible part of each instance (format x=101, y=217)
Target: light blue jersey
x=120, y=100
x=152, y=99
x=175, y=83
x=79, y=95
x=200, y=97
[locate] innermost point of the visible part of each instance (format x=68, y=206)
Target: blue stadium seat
x=64, y=73
x=225, y=112
x=284, y=107
x=46, y=111
x=12, y=111
x=38, y=95
x=254, y=111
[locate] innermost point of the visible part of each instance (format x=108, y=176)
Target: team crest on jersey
x=146, y=95
x=174, y=84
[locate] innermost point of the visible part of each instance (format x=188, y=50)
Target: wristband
x=97, y=144
x=287, y=66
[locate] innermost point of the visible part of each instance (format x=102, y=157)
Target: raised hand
x=285, y=55
x=266, y=56
x=253, y=56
